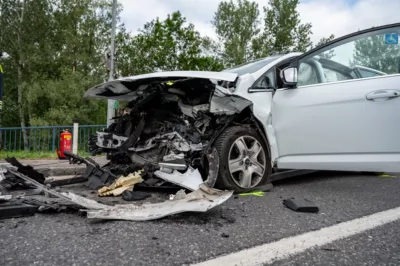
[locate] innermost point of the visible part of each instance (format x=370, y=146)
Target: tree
x=20, y=33
x=166, y=45
x=283, y=31
x=374, y=53
x=329, y=54
x=51, y=41
x=324, y=40
x=237, y=26
x=59, y=102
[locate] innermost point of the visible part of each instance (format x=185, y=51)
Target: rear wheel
x=244, y=159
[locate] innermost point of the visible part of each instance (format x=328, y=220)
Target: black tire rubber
x=223, y=144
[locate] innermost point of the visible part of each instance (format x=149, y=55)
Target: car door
x=335, y=119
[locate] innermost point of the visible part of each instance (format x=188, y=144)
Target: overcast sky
x=339, y=17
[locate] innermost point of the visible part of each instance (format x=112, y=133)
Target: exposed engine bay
x=171, y=126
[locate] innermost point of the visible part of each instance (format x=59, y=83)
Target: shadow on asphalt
x=315, y=177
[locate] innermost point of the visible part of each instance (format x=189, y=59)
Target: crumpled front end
x=171, y=126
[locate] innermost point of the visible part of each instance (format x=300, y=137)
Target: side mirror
x=289, y=76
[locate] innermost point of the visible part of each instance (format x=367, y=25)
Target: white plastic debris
x=191, y=179
x=197, y=201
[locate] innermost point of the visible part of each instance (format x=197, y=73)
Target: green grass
x=35, y=155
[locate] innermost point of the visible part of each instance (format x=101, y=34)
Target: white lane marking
x=286, y=247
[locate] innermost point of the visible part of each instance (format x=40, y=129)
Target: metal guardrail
x=44, y=138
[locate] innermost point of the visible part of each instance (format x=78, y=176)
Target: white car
x=336, y=107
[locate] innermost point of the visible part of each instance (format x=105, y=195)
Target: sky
x=339, y=17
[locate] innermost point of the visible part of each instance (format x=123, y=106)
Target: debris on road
x=201, y=199
x=16, y=210
x=387, y=176
x=5, y=198
x=254, y=193
x=121, y=184
x=301, y=205
x=224, y=235
x=97, y=176
x=27, y=170
x=198, y=201
x=135, y=195
x=191, y=179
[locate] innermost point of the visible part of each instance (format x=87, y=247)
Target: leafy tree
x=20, y=32
x=283, y=31
x=236, y=25
x=324, y=40
x=329, y=54
x=59, y=102
x=166, y=45
x=374, y=53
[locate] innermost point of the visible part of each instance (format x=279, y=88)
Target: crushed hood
x=124, y=89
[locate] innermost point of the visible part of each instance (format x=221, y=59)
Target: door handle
x=382, y=95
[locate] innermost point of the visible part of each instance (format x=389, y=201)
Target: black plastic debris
x=68, y=181
x=46, y=205
x=27, y=170
x=224, y=235
x=135, y=195
x=15, y=210
x=97, y=176
x=301, y=205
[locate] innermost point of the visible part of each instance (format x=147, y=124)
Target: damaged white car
x=333, y=108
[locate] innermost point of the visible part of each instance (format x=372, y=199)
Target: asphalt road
x=242, y=222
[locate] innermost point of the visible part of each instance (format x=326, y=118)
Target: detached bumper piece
x=201, y=200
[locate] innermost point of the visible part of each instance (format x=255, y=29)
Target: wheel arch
x=249, y=114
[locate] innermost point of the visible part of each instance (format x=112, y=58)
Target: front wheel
x=244, y=159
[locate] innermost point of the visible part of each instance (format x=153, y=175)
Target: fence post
x=53, y=141
x=75, y=138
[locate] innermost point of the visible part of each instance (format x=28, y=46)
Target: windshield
x=252, y=66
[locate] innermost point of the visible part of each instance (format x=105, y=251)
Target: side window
x=370, y=54
x=308, y=74
x=267, y=81
x=332, y=75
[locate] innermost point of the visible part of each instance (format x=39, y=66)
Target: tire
x=238, y=162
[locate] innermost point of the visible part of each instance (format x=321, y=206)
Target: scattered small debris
x=97, y=176
x=254, y=193
x=15, y=210
x=13, y=226
x=27, y=170
x=5, y=198
x=257, y=191
x=201, y=200
x=178, y=196
x=121, y=184
x=387, y=176
x=224, y=235
x=135, y=195
x=301, y=205
x=229, y=219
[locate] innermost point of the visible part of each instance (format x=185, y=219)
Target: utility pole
x=110, y=106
